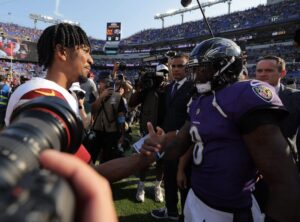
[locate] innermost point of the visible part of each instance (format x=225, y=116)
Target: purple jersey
x=223, y=172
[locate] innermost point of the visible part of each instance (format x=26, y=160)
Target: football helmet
x=215, y=63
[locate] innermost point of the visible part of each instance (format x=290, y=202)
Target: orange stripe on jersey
x=42, y=92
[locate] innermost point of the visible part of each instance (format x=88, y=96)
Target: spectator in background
x=5, y=91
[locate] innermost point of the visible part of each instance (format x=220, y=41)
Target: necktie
x=174, y=90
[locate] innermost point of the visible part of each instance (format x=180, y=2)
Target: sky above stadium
x=135, y=15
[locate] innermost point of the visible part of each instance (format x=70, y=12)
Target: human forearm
x=84, y=117
x=185, y=159
x=120, y=168
x=272, y=157
x=177, y=143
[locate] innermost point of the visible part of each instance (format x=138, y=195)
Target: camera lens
x=42, y=123
x=79, y=94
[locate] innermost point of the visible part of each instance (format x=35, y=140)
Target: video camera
x=147, y=80
x=122, y=66
x=79, y=94
x=27, y=192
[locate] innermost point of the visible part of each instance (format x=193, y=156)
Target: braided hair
x=64, y=34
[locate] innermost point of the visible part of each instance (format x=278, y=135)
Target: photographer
x=5, y=91
x=79, y=95
x=119, y=76
x=109, y=121
x=150, y=93
x=167, y=60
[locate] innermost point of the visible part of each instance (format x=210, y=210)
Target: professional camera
x=42, y=123
x=40, y=196
x=148, y=80
x=170, y=54
x=152, y=79
x=122, y=66
x=79, y=94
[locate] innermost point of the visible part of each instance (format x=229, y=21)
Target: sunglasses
x=178, y=66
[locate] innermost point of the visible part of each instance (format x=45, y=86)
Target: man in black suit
x=178, y=95
x=271, y=69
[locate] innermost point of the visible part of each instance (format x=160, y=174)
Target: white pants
x=197, y=211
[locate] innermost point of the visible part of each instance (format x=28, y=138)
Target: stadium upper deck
x=266, y=29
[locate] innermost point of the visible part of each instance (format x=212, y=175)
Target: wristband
x=80, y=107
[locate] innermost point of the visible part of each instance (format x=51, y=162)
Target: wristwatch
x=80, y=107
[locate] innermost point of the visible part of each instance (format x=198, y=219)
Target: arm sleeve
x=260, y=116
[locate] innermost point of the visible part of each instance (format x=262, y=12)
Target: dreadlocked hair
x=63, y=34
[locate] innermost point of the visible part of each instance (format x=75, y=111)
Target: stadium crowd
x=254, y=17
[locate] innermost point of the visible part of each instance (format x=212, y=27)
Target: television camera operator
x=150, y=93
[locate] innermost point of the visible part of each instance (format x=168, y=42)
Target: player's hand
x=94, y=196
x=181, y=179
x=155, y=141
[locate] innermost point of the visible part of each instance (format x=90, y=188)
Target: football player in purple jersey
x=234, y=126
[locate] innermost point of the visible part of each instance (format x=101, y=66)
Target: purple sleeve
x=255, y=95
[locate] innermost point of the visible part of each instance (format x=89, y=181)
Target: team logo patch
x=263, y=92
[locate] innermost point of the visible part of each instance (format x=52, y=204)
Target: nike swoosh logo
x=52, y=93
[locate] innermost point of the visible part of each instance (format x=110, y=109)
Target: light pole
x=11, y=46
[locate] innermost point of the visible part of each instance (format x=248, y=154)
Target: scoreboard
x=113, y=31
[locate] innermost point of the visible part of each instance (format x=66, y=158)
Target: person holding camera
x=150, y=93
x=119, y=76
x=79, y=95
x=5, y=91
x=109, y=121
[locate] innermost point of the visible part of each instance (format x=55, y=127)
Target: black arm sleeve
x=260, y=116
